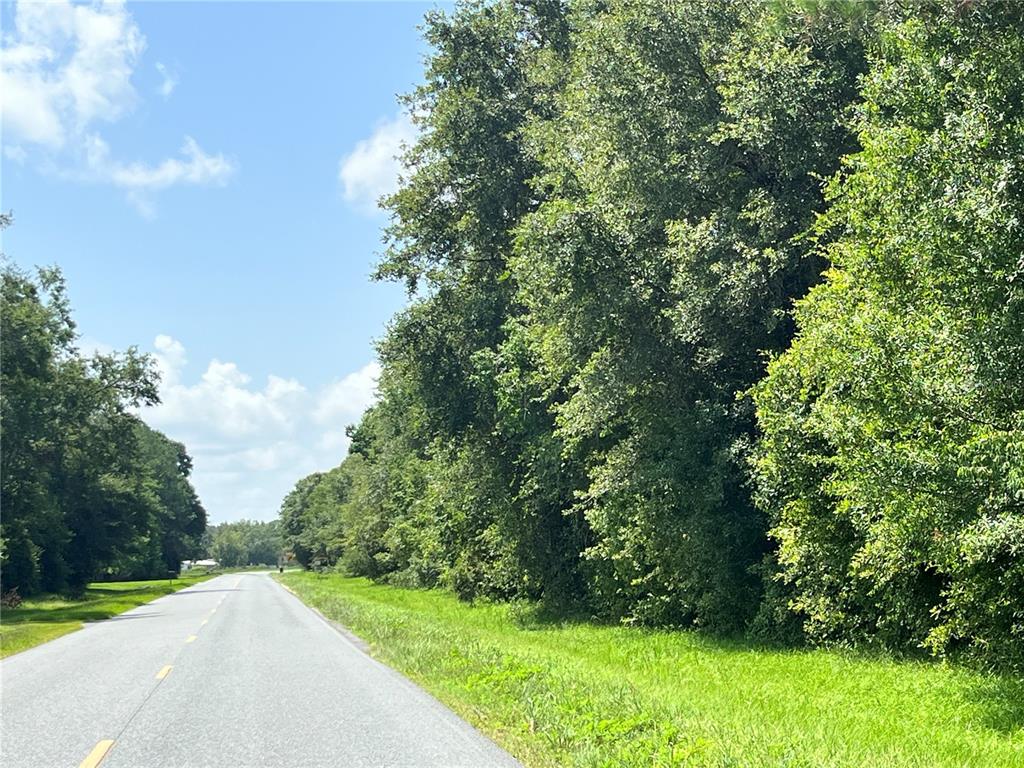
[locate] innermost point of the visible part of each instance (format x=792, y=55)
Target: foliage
x=87, y=488
x=605, y=224
x=245, y=542
x=593, y=285
x=893, y=459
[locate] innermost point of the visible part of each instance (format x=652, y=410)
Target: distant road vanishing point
x=234, y=672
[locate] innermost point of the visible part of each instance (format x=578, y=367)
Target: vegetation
x=87, y=489
x=46, y=617
x=715, y=320
x=564, y=694
x=893, y=460
x=244, y=542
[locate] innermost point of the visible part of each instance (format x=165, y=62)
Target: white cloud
x=227, y=405
x=333, y=440
x=194, y=167
x=250, y=442
x=170, y=359
x=169, y=81
x=347, y=398
x=371, y=170
x=66, y=68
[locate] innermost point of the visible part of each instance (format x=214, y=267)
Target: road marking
x=203, y=622
x=190, y=639
x=213, y=611
x=163, y=672
x=95, y=757
x=237, y=582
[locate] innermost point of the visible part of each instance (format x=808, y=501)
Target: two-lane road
x=232, y=672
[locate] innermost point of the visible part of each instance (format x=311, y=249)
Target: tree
x=608, y=217
x=894, y=426
x=86, y=490
x=178, y=518
x=246, y=542
x=294, y=518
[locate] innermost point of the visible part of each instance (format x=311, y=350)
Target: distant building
x=188, y=565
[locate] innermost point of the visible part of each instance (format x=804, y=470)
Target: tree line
x=716, y=319
x=87, y=490
x=244, y=542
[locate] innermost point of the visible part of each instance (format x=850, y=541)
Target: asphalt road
x=232, y=672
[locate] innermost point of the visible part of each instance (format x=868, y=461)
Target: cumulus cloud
x=225, y=402
x=170, y=358
x=251, y=441
x=15, y=153
x=347, y=397
x=67, y=68
x=371, y=170
x=89, y=346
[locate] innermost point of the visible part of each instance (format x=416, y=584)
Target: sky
x=205, y=175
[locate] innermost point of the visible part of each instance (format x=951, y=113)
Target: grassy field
x=40, y=619
x=585, y=695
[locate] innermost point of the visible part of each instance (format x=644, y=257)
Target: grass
x=40, y=619
x=587, y=695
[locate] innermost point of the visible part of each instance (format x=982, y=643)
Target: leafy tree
x=295, y=521
x=658, y=269
x=178, y=519
x=246, y=542
x=894, y=427
x=87, y=489
x=605, y=224
x=451, y=237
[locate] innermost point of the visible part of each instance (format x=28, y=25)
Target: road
x=232, y=672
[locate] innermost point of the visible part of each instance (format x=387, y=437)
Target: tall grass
x=568, y=694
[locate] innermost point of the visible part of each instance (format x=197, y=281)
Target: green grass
x=587, y=695
x=40, y=619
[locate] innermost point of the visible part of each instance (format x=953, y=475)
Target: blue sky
x=204, y=174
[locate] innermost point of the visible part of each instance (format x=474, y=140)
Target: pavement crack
x=135, y=712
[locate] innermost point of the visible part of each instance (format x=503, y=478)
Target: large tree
x=680, y=168
x=605, y=223
x=893, y=459
x=87, y=489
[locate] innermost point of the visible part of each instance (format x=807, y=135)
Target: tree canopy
x=88, y=490
x=244, y=542
x=714, y=321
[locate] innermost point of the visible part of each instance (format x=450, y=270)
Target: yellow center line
x=95, y=757
x=163, y=672
x=203, y=622
x=190, y=639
